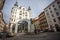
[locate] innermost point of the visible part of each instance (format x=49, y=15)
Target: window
x=12, y=8
x=26, y=12
x=14, y=20
x=51, y=27
x=47, y=13
x=23, y=12
x=48, y=16
x=46, y=10
x=23, y=8
x=49, y=8
x=54, y=20
x=58, y=2
x=50, y=21
x=59, y=6
x=0, y=21
x=11, y=11
x=15, y=12
x=52, y=15
x=19, y=17
x=56, y=25
x=57, y=13
x=20, y=14
x=15, y=15
x=20, y=11
x=25, y=15
x=55, y=9
x=0, y=15
x=16, y=9
x=53, y=5
x=59, y=18
x=12, y=15
x=11, y=19
x=50, y=11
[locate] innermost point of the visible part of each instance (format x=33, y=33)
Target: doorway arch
x=23, y=26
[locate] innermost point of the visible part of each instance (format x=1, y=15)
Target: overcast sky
x=37, y=7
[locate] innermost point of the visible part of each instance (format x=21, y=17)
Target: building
x=2, y=4
x=36, y=23
x=40, y=22
x=43, y=22
x=2, y=22
x=20, y=19
x=52, y=13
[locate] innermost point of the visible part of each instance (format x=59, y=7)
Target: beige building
x=36, y=23
x=1, y=4
x=2, y=22
x=52, y=13
x=43, y=21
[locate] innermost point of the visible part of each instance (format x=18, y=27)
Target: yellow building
x=36, y=23
x=1, y=4
x=42, y=21
x=2, y=22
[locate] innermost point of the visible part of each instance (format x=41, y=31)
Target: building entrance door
x=23, y=27
x=57, y=27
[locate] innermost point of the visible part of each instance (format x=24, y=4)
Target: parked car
x=10, y=34
x=1, y=34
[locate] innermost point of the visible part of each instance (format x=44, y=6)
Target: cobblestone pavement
x=41, y=36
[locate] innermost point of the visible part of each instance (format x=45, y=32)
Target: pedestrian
x=35, y=31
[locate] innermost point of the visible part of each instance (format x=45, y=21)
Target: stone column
x=54, y=29
x=16, y=28
x=11, y=27
x=49, y=27
x=28, y=26
x=32, y=28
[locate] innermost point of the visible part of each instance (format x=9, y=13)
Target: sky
x=37, y=6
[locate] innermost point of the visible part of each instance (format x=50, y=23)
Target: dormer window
x=23, y=8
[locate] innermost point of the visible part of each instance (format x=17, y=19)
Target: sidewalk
x=19, y=34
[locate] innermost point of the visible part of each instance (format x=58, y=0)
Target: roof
x=40, y=13
x=29, y=8
x=16, y=4
x=50, y=4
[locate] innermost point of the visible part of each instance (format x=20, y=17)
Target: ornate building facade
x=20, y=19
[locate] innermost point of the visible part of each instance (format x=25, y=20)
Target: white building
x=52, y=13
x=20, y=19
